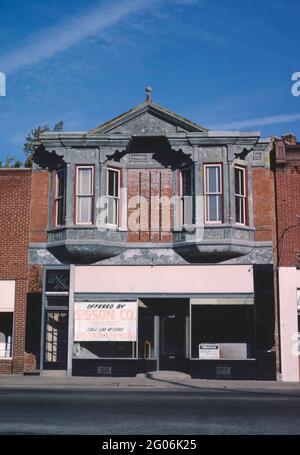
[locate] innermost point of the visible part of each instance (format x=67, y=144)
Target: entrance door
x=172, y=341
x=56, y=340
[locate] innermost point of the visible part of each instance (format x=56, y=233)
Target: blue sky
x=226, y=64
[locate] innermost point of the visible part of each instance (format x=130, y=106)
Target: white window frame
x=242, y=197
x=58, y=198
x=116, y=198
x=218, y=193
x=78, y=196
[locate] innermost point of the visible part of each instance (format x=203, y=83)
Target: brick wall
x=264, y=208
x=263, y=204
x=287, y=186
x=39, y=206
x=15, y=188
x=288, y=211
x=156, y=221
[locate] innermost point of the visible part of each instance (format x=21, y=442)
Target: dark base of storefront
x=262, y=368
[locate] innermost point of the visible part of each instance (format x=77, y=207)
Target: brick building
x=15, y=190
x=287, y=183
x=143, y=244
x=155, y=251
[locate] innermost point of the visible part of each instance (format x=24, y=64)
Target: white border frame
x=207, y=165
x=243, y=197
x=110, y=225
x=82, y=166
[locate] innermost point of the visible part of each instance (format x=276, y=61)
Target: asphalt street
x=180, y=411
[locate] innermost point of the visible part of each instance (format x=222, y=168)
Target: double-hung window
x=84, y=194
x=113, y=196
x=240, y=195
x=59, y=201
x=213, y=193
x=186, y=196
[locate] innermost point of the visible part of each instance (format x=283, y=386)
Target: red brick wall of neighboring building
x=23, y=219
x=264, y=211
x=287, y=187
x=288, y=203
x=263, y=204
x=37, y=234
x=15, y=189
x=39, y=206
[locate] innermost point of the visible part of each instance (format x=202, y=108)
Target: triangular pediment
x=148, y=119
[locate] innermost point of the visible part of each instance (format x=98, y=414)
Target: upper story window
x=186, y=196
x=113, y=196
x=240, y=195
x=59, y=200
x=213, y=193
x=84, y=194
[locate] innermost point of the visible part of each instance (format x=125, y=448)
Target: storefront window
x=6, y=331
x=229, y=329
x=146, y=334
x=104, y=349
x=98, y=321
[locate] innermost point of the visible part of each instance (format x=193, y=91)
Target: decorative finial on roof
x=148, y=93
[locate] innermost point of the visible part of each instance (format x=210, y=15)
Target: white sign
x=209, y=351
x=105, y=321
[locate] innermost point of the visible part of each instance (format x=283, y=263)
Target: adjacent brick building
x=287, y=184
x=15, y=191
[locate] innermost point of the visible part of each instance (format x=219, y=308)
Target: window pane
x=60, y=182
x=212, y=208
x=220, y=208
x=113, y=183
x=6, y=330
x=112, y=210
x=85, y=181
x=84, y=210
x=57, y=301
x=60, y=212
x=239, y=182
x=187, y=182
x=187, y=210
x=56, y=336
x=236, y=181
x=212, y=179
x=237, y=209
x=240, y=209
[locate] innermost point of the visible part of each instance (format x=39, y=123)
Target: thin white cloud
x=271, y=120
x=61, y=37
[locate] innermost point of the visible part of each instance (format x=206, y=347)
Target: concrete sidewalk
x=158, y=381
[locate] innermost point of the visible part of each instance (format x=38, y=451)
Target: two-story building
x=287, y=184
x=158, y=251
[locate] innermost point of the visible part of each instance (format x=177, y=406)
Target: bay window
x=113, y=196
x=59, y=201
x=84, y=194
x=240, y=195
x=213, y=193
